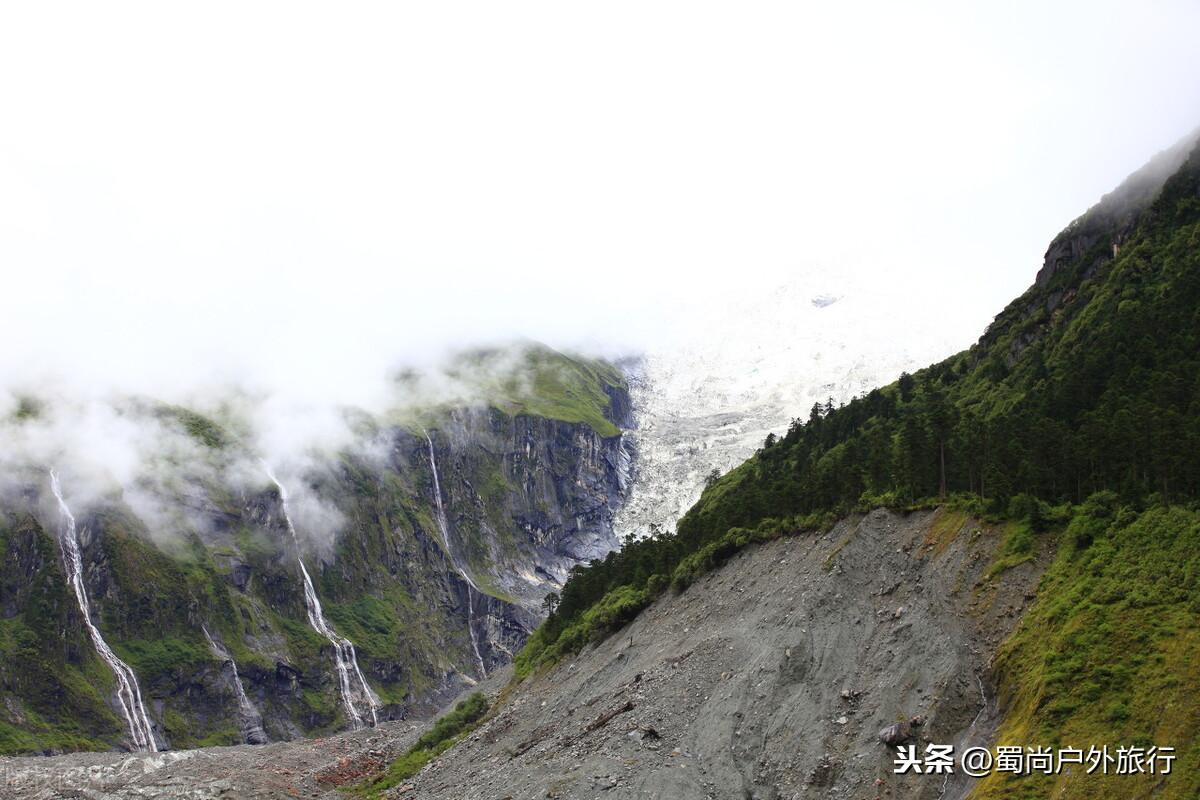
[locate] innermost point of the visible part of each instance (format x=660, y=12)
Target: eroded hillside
x=770, y=677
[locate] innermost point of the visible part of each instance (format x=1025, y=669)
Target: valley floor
x=299, y=769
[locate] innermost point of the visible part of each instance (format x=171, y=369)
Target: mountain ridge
x=1074, y=420
x=530, y=480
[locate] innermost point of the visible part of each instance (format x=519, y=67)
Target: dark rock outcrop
x=526, y=497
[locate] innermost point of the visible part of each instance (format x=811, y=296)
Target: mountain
x=704, y=404
x=377, y=580
x=1000, y=549
x=1067, y=435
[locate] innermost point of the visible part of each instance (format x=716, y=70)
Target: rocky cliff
x=450, y=529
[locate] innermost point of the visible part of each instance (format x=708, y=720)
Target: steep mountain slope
x=768, y=678
x=451, y=526
x=1088, y=382
x=1005, y=545
x=1076, y=419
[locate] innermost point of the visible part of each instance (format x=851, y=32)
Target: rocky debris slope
x=770, y=678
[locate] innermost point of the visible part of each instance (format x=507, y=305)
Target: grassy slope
x=441, y=736
x=534, y=380
x=1110, y=653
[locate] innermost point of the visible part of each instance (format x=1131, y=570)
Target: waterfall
x=343, y=649
x=472, y=589
x=252, y=729
x=129, y=694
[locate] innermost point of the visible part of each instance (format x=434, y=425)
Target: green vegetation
x=196, y=425
x=541, y=382
x=383, y=585
x=444, y=734
x=57, y=700
x=1089, y=382
x=555, y=386
x=27, y=408
x=390, y=622
x=1110, y=652
x=304, y=644
x=61, y=707
x=945, y=527
x=391, y=628
x=255, y=544
x=163, y=656
x=1027, y=517
x=565, y=633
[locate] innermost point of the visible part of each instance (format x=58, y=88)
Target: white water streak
x=129, y=694
x=343, y=649
x=966, y=737
x=248, y=708
x=440, y=513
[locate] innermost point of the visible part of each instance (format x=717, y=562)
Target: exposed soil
x=770, y=678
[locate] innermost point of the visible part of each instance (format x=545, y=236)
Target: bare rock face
x=1110, y=220
x=431, y=611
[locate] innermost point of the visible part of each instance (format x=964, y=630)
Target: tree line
x=1088, y=384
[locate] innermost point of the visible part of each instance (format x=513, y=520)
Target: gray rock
x=896, y=734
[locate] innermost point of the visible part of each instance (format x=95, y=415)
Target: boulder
x=896, y=734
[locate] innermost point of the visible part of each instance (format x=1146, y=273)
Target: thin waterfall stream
x=443, y=526
x=129, y=694
x=252, y=728
x=344, y=656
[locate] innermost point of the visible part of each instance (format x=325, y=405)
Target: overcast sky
x=192, y=192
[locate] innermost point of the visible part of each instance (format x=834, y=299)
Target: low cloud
x=272, y=236
x=159, y=458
